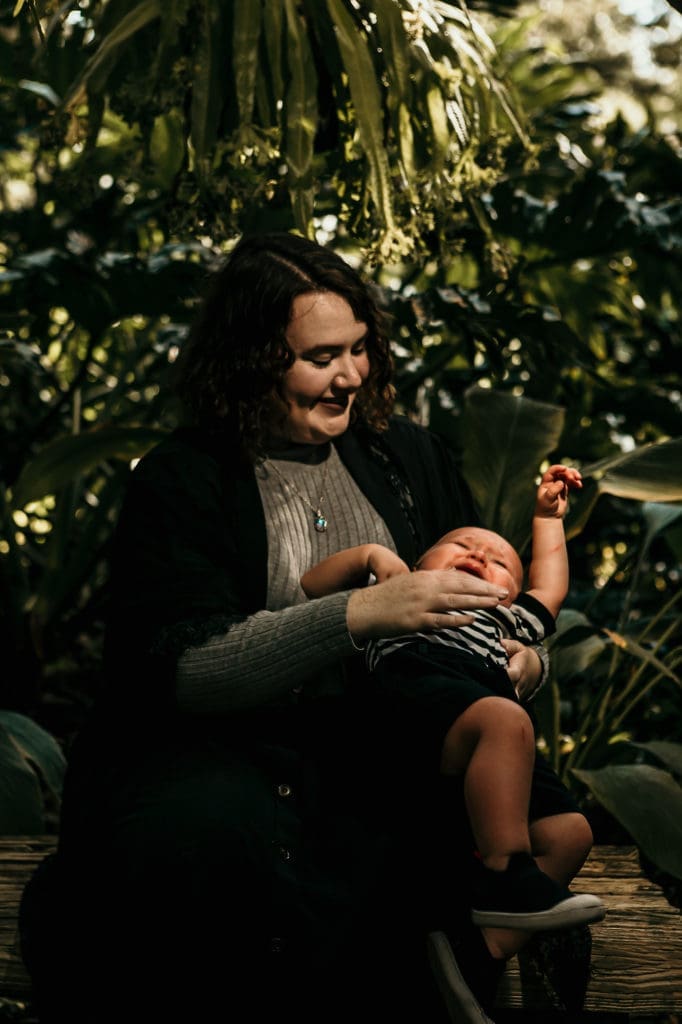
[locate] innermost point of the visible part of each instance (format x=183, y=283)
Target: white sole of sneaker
x=462, y=1005
x=578, y=909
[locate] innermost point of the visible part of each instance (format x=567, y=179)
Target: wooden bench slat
x=636, y=950
x=636, y=955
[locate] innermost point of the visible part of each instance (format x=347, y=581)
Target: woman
x=235, y=838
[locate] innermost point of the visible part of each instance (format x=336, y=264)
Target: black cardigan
x=190, y=550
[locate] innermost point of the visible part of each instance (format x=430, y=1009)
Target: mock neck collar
x=292, y=451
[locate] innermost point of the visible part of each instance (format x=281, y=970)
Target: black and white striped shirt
x=527, y=620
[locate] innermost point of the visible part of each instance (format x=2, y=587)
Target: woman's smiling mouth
x=339, y=402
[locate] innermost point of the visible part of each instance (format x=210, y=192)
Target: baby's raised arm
x=351, y=568
x=552, y=496
x=548, y=573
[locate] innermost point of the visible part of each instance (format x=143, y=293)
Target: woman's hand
x=418, y=602
x=524, y=668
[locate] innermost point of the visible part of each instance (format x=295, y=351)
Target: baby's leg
x=560, y=844
x=492, y=744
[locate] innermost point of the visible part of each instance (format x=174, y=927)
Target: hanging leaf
x=669, y=753
x=507, y=439
x=21, y=803
x=439, y=124
x=140, y=16
x=395, y=45
x=301, y=118
x=37, y=747
x=207, y=97
x=569, y=661
x=69, y=564
x=272, y=27
x=42, y=89
x=648, y=803
x=651, y=473
x=167, y=145
x=68, y=457
x=364, y=90
x=245, y=37
x=658, y=517
x=643, y=654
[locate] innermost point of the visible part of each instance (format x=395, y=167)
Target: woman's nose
x=348, y=375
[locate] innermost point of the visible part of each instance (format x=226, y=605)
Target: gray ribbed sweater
x=261, y=658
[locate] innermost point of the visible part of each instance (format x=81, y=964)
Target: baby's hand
x=384, y=563
x=552, y=496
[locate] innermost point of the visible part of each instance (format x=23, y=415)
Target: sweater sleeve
x=261, y=659
x=186, y=627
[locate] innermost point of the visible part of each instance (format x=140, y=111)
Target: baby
x=454, y=685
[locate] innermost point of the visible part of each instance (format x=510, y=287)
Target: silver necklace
x=320, y=521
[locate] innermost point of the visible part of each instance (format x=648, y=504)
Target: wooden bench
x=636, y=956
x=636, y=950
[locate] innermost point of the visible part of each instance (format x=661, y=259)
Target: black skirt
x=265, y=863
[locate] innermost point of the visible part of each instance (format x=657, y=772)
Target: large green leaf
x=572, y=659
x=301, y=117
x=137, y=18
x=648, y=803
x=658, y=518
x=68, y=457
x=574, y=646
x=245, y=36
x=21, y=804
x=651, y=473
x=396, y=49
x=367, y=104
x=507, y=438
x=167, y=146
x=272, y=27
x=37, y=747
x=669, y=753
x=207, y=101
x=72, y=551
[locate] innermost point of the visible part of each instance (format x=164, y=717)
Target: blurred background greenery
x=509, y=175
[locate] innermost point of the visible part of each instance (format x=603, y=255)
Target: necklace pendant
x=319, y=522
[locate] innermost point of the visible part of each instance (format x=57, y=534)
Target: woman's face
x=330, y=366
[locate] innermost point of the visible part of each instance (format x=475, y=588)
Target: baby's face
x=481, y=553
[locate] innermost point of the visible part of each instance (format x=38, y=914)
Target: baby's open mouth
x=473, y=570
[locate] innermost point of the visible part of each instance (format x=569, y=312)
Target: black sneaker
x=462, y=1005
x=525, y=897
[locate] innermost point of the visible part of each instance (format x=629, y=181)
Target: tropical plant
x=646, y=800
x=608, y=688
x=555, y=280
x=31, y=775
x=235, y=110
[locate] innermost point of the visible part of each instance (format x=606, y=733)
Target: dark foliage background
x=511, y=179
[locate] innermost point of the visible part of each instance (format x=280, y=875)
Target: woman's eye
x=321, y=361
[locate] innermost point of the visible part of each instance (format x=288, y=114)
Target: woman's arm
x=243, y=667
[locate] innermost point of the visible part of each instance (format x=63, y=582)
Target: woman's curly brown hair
x=233, y=363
